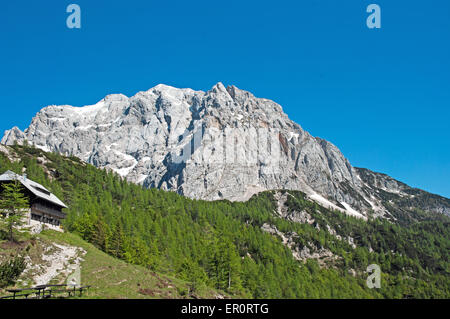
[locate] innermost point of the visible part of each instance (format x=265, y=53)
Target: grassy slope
x=105, y=273
x=111, y=277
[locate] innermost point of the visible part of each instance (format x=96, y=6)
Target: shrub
x=10, y=270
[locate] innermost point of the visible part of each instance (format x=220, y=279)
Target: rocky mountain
x=221, y=144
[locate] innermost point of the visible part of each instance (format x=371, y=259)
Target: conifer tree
x=13, y=202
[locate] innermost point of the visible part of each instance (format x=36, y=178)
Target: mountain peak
x=209, y=145
x=13, y=135
x=219, y=87
x=115, y=97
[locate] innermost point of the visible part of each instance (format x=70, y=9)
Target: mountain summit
x=221, y=144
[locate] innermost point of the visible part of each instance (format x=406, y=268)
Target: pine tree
x=13, y=202
x=100, y=234
x=116, y=243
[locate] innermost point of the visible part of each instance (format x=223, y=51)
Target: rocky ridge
x=179, y=140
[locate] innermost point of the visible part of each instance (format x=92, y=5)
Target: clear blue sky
x=382, y=96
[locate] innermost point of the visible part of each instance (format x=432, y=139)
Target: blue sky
x=382, y=96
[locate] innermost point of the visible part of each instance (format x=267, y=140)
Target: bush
x=10, y=270
x=3, y=234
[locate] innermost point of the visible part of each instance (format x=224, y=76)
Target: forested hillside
x=263, y=248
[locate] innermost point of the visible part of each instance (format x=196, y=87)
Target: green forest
x=222, y=245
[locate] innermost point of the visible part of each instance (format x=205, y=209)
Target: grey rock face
x=301, y=217
x=310, y=251
x=221, y=144
x=13, y=135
